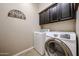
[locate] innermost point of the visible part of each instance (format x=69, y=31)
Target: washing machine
x=39, y=40
x=60, y=44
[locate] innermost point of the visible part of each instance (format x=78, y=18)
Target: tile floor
x=32, y=52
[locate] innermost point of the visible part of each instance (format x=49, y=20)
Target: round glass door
x=55, y=47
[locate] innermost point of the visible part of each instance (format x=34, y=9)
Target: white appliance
x=39, y=40
x=60, y=44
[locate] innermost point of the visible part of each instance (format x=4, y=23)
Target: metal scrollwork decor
x=16, y=14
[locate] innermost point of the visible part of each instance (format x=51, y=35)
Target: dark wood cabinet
x=65, y=8
x=46, y=16
x=57, y=12
x=67, y=11
x=53, y=14
x=41, y=16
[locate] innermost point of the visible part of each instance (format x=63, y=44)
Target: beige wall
x=77, y=27
x=15, y=34
x=58, y=26
x=43, y=6
x=68, y=26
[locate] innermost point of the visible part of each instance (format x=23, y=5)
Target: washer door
x=55, y=47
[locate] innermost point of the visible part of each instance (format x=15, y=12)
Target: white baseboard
x=26, y=50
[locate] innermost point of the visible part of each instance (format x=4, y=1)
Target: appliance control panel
x=66, y=36
x=55, y=35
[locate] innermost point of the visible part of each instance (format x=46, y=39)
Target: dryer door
x=55, y=47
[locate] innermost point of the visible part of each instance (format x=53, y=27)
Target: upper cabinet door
x=46, y=16
x=41, y=16
x=66, y=11
x=58, y=11
x=53, y=14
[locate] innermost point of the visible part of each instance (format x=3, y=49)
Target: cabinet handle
x=51, y=21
